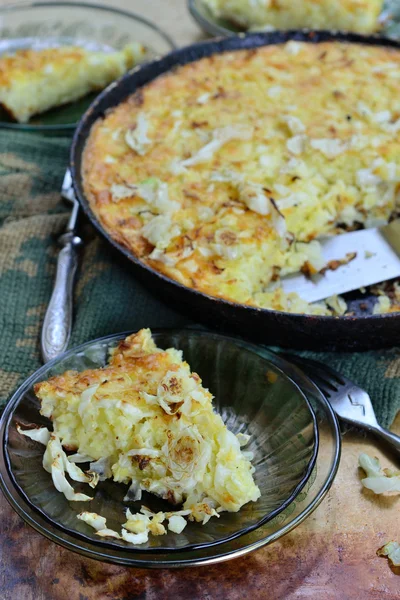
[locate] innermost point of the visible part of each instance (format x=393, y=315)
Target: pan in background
x=359, y=332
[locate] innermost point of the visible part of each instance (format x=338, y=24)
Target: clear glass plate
x=228, y=377
x=95, y=27
x=222, y=27
x=251, y=395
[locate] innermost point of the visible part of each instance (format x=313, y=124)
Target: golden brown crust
x=25, y=61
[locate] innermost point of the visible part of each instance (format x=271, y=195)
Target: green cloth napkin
x=108, y=299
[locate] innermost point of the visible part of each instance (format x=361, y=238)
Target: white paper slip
x=377, y=259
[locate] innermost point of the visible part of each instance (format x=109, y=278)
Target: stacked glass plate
x=294, y=437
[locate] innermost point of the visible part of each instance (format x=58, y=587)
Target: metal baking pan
x=360, y=331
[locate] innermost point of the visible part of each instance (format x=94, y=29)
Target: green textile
x=108, y=299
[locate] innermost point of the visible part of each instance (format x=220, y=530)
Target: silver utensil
x=351, y=403
x=57, y=324
x=373, y=256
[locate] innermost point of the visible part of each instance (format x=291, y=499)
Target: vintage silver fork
x=351, y=403
x=57, y=324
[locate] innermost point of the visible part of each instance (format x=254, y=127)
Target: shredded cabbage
x=137, y=138
x=152, y=190
x=134, y=492
x=99, y=524
x=243, y=439
x=79, y=458
x=220, y=137
x=38, y=434
x=102, y=467
x=138, y=526
x=135, y=538
x=176, y=524
x=296, y=144
x=56, y=462
x=160, y=230
x=392, y=551
x=330, y=147
x=295, y=125
x=380, y=481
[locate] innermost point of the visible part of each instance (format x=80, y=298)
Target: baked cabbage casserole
x=223, y=173
x=33, y=81
x=361, y=16
x=144, y=420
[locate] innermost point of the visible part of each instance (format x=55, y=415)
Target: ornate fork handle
x=360, y=399
x=57, y=323
x=390, y=438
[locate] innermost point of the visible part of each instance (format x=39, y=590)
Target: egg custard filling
x=223, y=173
x=144, y=420
x=33, y=81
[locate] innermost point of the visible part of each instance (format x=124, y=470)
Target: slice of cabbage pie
x=33, y=81
x=145, y=419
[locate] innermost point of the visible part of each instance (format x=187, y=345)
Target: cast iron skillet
x=361, y=331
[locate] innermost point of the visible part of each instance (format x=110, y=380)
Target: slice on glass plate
x=55, y=57
x=34, y=81
x=145, y=420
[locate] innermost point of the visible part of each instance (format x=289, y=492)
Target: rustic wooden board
x=332, y=555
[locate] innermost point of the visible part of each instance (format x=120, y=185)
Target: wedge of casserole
x=348, y=15
x=145, y=420
x=33, y=81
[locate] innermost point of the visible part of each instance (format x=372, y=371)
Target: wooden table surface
x=332, y=555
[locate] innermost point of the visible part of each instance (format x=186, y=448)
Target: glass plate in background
x=49, y=24
x=251, y=395
x=222, y=27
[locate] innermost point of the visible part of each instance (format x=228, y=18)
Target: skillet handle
x=57, y=324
